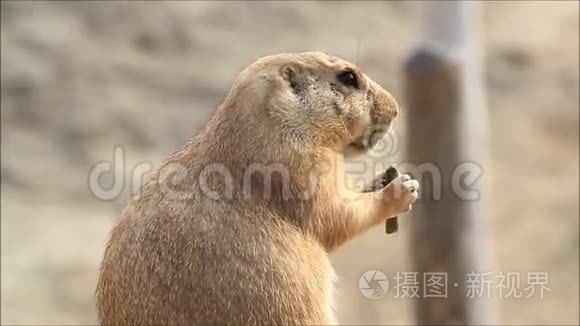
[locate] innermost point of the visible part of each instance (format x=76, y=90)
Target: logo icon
x=373, y=284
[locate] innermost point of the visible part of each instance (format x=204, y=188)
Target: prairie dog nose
x=386, y=107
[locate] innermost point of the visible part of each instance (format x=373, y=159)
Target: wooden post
x=445, y=127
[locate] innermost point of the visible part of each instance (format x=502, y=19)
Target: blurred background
x=78, y=78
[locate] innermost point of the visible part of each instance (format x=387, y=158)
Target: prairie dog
x=236, y=226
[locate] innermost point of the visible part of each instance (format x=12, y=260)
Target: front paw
x=400, y=194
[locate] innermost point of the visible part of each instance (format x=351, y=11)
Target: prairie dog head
x=314, y=99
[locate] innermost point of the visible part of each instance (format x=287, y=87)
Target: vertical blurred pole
x=446, y=128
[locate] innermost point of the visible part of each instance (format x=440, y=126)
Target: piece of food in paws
x=392, y=224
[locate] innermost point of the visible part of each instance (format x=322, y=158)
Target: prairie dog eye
x=347, y=78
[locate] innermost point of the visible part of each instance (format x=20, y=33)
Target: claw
x=410, y=185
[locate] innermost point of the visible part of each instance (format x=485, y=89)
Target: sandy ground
x=79, y=78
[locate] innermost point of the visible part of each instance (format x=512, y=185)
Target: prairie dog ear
x=289, y=73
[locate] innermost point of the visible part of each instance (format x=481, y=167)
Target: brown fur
x=252, y=251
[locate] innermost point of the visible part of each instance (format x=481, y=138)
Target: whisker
x=357, y=50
